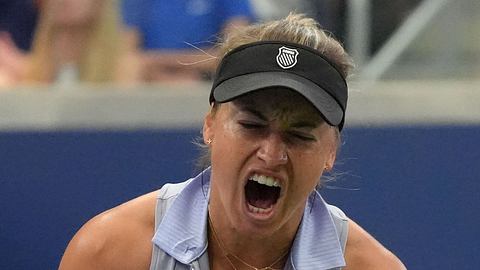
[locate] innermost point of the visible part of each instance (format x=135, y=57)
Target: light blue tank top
x=180, y=240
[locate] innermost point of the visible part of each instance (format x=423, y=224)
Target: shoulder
x=364, y=252
x=119, y=238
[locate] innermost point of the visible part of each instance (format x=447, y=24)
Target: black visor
x=268, y=64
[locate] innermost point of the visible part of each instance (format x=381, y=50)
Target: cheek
x=227, y=149
x=234, y=139
x=228, y=158
x=308, y=167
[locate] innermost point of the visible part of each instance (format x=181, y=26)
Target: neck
x=228, y=247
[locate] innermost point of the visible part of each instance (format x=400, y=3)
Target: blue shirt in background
x=173, y=24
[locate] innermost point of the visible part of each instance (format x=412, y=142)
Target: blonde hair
x=295, y=28
x=99, y=58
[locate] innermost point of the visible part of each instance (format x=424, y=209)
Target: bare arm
x=130, y=65
x=174, y=65
x=116, y=239
x=13, y=62
x=364, y=252
x=85, y=250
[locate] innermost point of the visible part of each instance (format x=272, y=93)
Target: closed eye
x=302, y=136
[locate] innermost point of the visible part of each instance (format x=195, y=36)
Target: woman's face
x=269, y=149
x=75, y=13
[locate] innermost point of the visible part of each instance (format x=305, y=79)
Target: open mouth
x=262, y=193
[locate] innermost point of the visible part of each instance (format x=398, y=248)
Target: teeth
x=257, y=209
x=261, y=179
x=265, y=180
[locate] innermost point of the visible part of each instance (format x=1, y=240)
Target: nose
x=273, y=150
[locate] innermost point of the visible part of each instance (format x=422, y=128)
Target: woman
x=277, y=109
x=75, y=41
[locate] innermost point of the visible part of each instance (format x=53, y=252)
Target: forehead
x=279, y=102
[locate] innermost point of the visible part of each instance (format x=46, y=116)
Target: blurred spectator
x=75, y=40
x=18, y=18
x=174, y=38
x=330, y=14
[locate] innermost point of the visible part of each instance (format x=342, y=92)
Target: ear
x=208, y=127
x=332, y=155
x=331, y=159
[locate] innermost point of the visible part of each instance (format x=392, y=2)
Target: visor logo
x=287, y=58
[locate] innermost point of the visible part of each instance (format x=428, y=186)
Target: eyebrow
x=300, y=124
x=306, y=124
x=254, y=112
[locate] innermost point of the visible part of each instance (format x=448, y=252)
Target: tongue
x=264, y=204
x=261, y=196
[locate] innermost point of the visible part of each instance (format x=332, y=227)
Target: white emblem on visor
x=287, y=58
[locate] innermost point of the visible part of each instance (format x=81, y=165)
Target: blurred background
x=100, y=102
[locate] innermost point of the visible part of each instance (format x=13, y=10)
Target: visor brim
x=244, y=84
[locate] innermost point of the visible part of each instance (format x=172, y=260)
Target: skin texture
x=250, y=135
x=364, y=252
x=119, y=238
